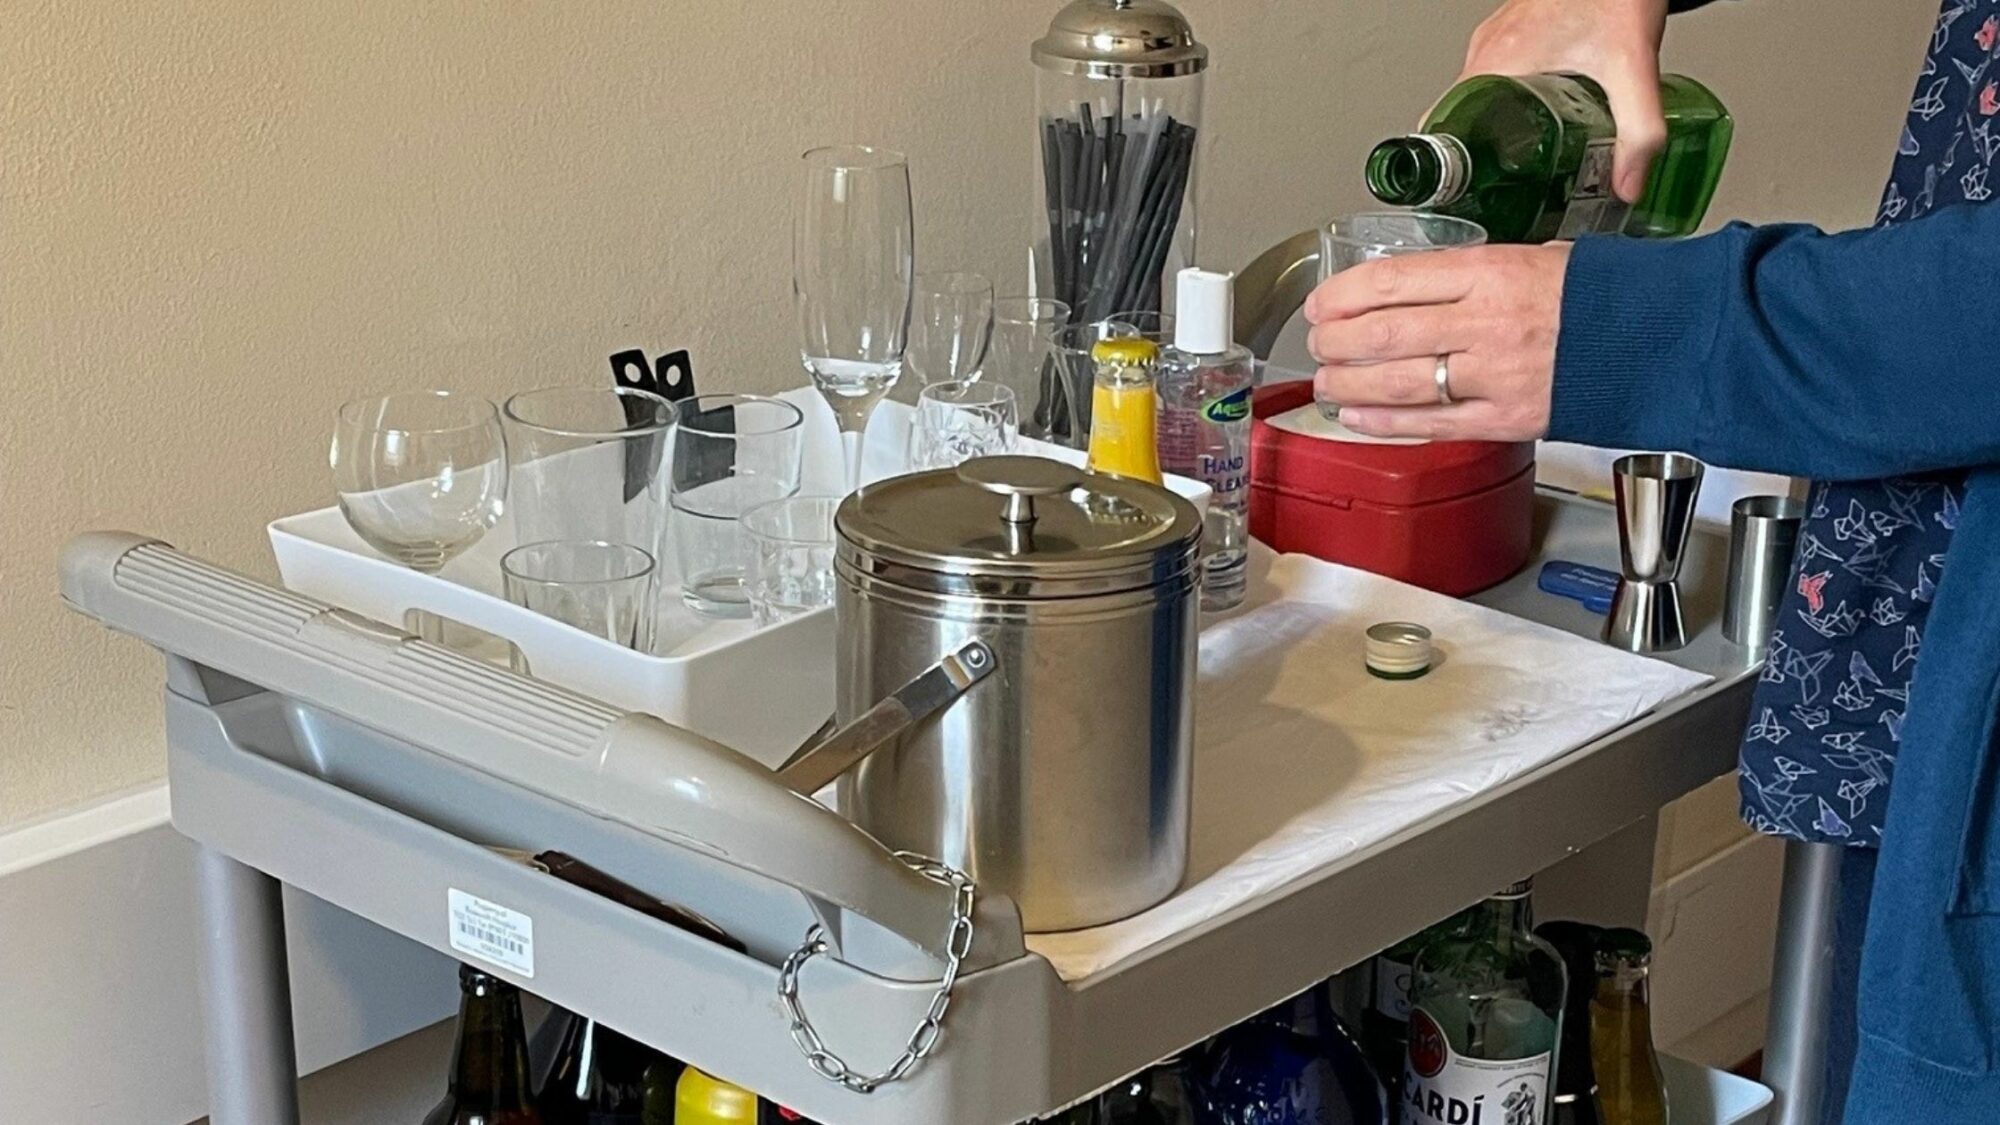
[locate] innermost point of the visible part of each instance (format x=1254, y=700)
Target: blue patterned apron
x=1820, y=752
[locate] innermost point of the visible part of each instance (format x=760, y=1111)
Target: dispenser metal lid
x=1120, y=39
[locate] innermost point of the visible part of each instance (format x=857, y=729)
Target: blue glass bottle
x=1295, y=1064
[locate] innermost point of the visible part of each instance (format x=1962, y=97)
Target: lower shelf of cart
x=1703, y=1095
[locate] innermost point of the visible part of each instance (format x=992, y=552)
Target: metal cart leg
x=246, y=995
x=1801, y=978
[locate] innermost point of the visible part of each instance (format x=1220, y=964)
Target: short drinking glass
x=1353, y=239
x=604, y=589
x=1019, y=357
x=1071, y=348
x=958, y=421
x=791, y=556
x=732, y=453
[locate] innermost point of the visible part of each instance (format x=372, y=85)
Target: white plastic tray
x=761, y=691
x=1700, y=1095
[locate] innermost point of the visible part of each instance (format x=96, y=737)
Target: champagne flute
x=420, y=476
x=853, y=266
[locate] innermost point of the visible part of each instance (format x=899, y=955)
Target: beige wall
x=218, y=219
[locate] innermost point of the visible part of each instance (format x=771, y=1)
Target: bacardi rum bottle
x=1529, y=159
x=1486, y=1010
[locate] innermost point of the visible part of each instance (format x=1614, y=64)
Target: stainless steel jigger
x=1655, y=494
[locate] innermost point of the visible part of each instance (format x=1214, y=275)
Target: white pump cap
x=1204, y=311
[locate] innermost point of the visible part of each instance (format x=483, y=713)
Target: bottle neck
x=490, y=1063
x=1510, y=913
x=1623, y=986
x=1419, y=170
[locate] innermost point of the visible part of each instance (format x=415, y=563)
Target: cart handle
x=631, y=768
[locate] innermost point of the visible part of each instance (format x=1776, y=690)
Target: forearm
x=1848, y=356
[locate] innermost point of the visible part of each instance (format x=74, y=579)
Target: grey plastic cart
x=312, y=747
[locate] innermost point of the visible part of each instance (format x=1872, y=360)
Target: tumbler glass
x=1024, y=330
x=732, y=453
x=604, y=589
x=589, y=463
x=1072, y=347
x=958, y=421
x=1353, y=239
x=791, y=556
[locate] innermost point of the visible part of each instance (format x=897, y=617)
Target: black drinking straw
x=1114, y=188
x=1058, y=250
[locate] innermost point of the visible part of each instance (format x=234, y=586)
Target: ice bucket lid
x=1018, y=527
x=1120, y=39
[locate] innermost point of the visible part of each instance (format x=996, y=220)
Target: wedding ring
x=1441, y=375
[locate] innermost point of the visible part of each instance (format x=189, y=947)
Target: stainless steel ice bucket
x=1061, y=779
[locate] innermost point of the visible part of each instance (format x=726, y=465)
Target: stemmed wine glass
x=950, y=327
x=420, y=476
x=853, y=261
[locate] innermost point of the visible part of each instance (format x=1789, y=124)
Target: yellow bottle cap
x=700, y=1099
x=1128, y=351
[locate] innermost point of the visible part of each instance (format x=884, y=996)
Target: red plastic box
x=1455, y=517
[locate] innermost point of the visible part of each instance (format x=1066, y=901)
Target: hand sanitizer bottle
x=1204, y=383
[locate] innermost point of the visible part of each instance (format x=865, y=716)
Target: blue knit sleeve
x=1836, y=356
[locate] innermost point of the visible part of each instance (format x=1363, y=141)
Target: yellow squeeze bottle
x=1123, y=409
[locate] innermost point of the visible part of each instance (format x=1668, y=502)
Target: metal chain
x=924, y=1039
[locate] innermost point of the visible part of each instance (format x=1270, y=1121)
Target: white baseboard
x=97, y=971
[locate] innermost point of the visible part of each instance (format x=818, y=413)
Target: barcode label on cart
x=491, y=932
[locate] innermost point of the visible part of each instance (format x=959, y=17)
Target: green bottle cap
x=1621, y=948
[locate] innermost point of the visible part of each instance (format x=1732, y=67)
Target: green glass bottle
x=1385, y=1021
x=599, y=1077
x=1529, y=159
x=1486, y=1011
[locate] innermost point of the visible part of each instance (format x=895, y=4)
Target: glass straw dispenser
x=1118, y=114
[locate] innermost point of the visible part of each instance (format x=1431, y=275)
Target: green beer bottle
x=1529, y=159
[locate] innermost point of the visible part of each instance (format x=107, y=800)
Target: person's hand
x=1616, y=42
x=1494, y=311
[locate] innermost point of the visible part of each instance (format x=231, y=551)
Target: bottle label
x=1443, y=1087
x=1123, y=441
x=1392, y=989
x=1594, y=208
x=490, y=932
x=1224, y=409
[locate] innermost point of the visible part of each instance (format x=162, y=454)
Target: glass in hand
x=958, y=421
x=420, y=476
x=732, y=453
x=1353, y=239
x=950, y=326
x=852, y=274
